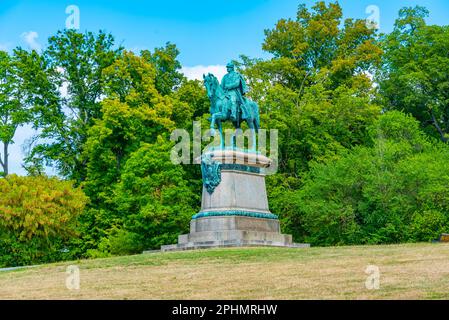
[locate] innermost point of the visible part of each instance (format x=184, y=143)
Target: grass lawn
x=411, y=271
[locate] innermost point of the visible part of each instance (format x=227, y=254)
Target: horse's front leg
x=212, y=124
x=217, y=118
x=252, y=140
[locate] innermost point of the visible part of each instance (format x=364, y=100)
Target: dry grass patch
x=412, y=271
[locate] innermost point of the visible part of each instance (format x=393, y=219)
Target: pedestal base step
x=229, y=244
x=233, y=231
x=232, y=238
x=235, y=235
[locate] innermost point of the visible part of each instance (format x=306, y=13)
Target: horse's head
x=211, y=84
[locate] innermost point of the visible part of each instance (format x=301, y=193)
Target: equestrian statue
x=228, y=103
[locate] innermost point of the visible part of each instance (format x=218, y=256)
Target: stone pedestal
x=236, y=212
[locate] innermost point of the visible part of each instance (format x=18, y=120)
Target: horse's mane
x=214, y=79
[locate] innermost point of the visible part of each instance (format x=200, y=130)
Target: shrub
x=38, y=217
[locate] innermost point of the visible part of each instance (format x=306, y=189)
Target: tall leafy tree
x=167, y=67
x=39, y=87
x=316, y=90
x=155, y=195
x=76, y=62
x=14, y=111
x=133, y=112
x=414, y=77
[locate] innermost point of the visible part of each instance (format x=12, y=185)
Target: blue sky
x=207, y=32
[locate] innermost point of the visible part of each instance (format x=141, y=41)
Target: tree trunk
x=5, y=159
x=435, y=123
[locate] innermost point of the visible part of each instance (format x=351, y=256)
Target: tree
x=76, y=62
x=41, y=96
x=317, y=89
x=414, y=73
x=318, y=41
x=134, y=112
x=190, y=103
x=151, y=204
x=13, y=110
x=155, y=195
x=164, y=59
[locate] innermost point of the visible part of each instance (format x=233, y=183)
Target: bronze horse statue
x=221, y=108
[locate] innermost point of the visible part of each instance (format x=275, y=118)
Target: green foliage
x=190, y=103
x=428, y=225
x=76, y=61
x=281, y=190
x=349, y=171
x=13, y=110
x=395, y=191
x=168, y=77
x=414, y=78
x=319, y=41
x=38, y=217
x=133, y=112
x=117, y=242
x=128, y=160
x=316, y=90
x=155, y=195
x=153, y=202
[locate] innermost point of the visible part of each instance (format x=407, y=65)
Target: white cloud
x=196, y=72
x=30, y=39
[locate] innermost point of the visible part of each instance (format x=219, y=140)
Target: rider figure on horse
x=235, y=89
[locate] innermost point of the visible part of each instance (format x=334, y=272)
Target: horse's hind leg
x=220, y=129
x=234, y=135
x=252, y=128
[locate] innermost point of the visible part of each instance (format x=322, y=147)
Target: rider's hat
x=230, y=65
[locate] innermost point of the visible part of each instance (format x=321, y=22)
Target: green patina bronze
x=211, y=172
x=261, y=215
x=239, y=167
x=228, y=103
x=234, y=87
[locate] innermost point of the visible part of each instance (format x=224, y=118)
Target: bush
x=38, y=217
x=428, y=225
